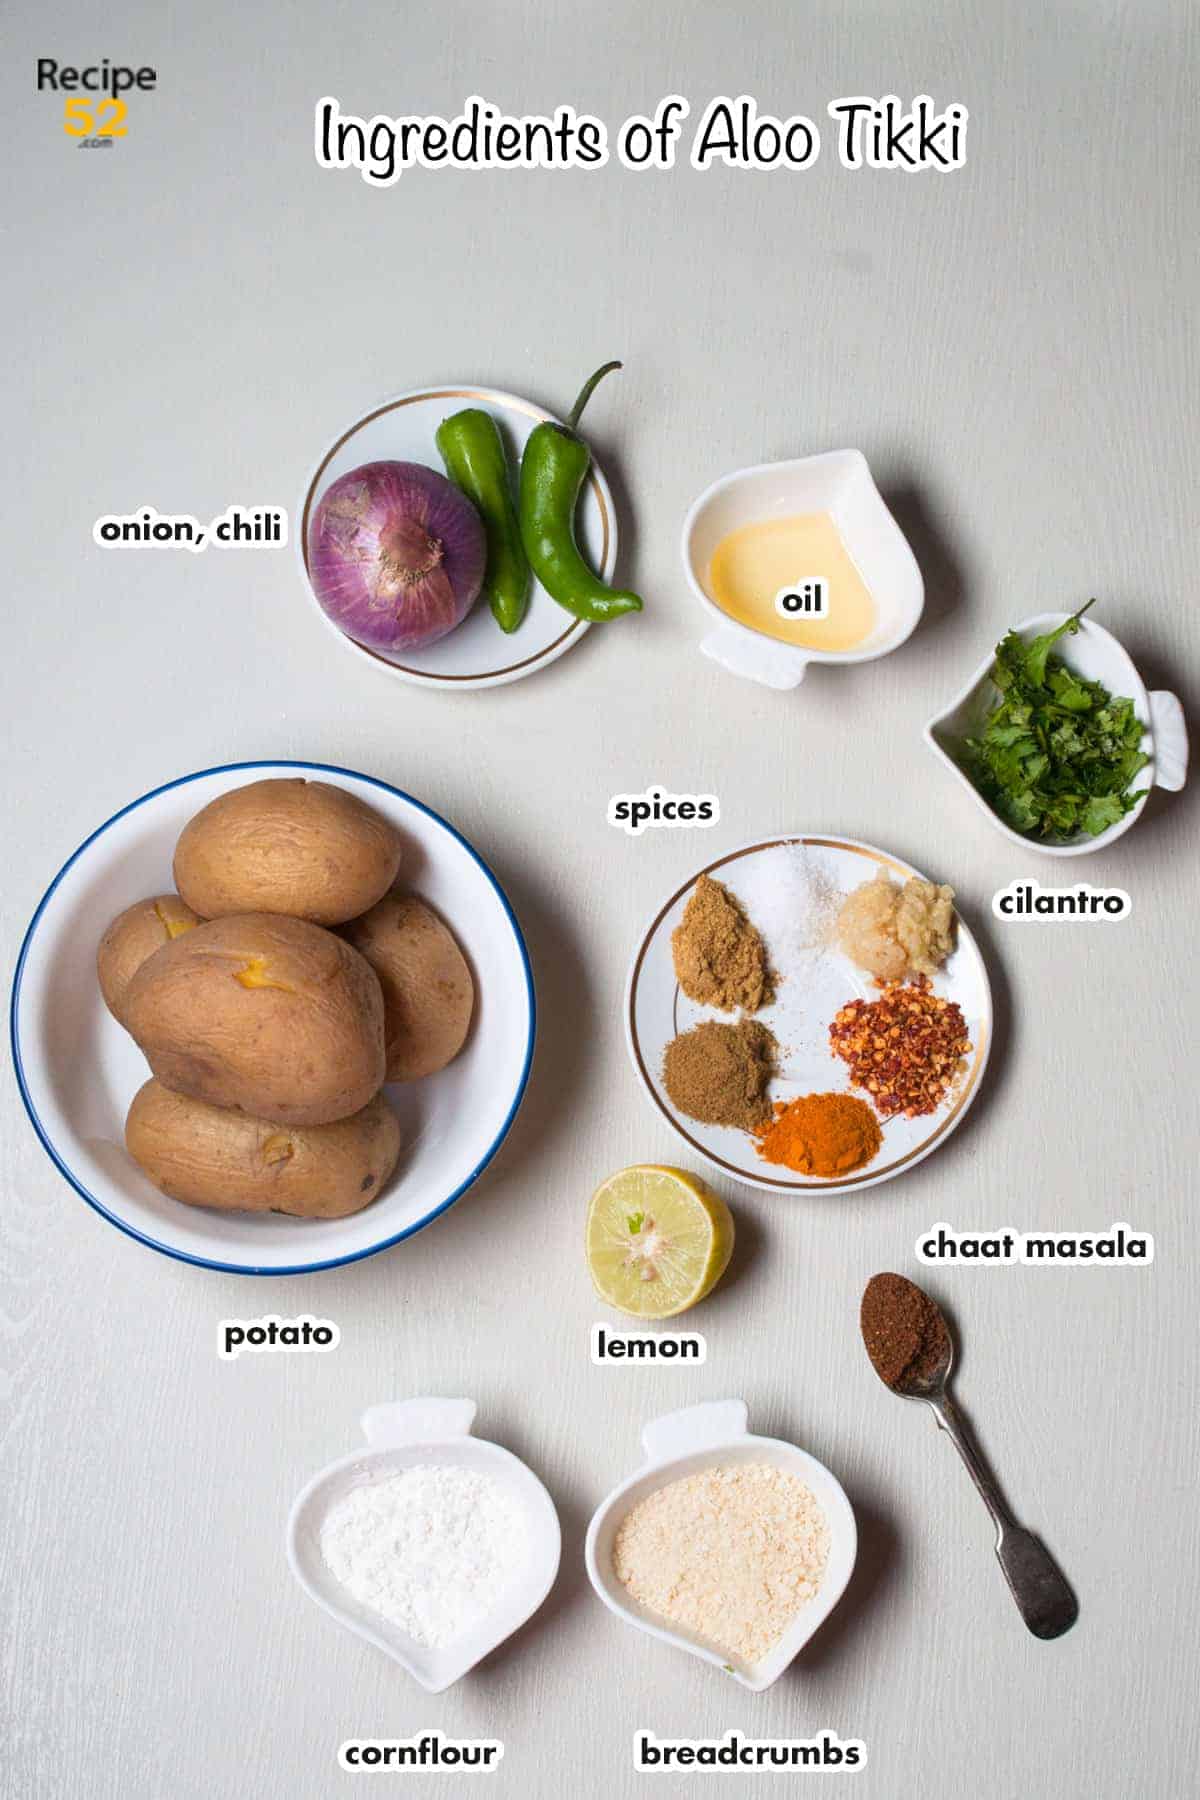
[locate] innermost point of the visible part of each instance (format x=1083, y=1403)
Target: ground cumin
x=718, y=1073
x=820, y=1134
x=719, y=957
x=903, y=1330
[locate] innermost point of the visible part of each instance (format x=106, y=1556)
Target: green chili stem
x=586, y=391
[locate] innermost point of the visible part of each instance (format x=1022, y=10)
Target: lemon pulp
x=658, y=1240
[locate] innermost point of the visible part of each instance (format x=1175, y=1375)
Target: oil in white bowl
x=754, y=564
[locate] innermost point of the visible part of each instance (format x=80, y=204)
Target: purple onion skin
x=396, y=555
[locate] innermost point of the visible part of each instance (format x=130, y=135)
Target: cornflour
x=431, y=1549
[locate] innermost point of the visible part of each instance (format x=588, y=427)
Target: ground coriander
x=720, y=959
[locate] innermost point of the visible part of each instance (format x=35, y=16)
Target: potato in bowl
x=78, y=1070
x=428, y=992
x=210, y=1156
x=134, y=936
x=273, y=1016
x=303, y=848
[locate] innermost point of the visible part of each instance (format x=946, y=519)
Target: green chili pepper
x=475, y=461
x=553, y=467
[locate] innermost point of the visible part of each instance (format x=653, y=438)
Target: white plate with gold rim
x=769, y=879
x=477, y=654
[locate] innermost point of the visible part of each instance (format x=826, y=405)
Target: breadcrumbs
x=732, y=1553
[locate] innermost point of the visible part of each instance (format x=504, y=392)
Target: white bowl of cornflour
x=432, y=1544
x=733, y=1547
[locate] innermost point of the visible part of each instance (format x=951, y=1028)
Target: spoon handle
x=1039, y=1587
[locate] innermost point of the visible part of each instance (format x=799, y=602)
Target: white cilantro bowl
x=1095, y=655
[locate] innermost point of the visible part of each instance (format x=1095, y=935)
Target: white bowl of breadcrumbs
x=733, y=1547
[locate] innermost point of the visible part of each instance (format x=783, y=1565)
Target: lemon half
x=658, y=1240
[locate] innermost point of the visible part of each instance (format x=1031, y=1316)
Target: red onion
x=396, y=555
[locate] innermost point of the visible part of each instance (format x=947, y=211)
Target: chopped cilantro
x=635, y=1221
x=1057, y=754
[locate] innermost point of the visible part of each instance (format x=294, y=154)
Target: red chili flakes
x=905, y=1049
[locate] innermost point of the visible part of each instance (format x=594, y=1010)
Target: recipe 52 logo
x=93, y=110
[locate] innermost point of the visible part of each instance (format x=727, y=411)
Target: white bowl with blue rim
x=78, y=1070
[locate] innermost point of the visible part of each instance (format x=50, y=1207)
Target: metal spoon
x=1039, y=1587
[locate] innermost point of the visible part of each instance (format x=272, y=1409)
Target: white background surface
x=188, y=318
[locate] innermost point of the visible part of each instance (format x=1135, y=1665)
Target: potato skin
x=301, y=848
x=428, y=993
x=208, y=1156
x=134, y=935
x=273, y=1016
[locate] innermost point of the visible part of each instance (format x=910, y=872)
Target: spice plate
x=78, y=1070
x=1094, y=654
x=715, y=1433
x=477, y=653
x=404, y=1435
x=777, y=881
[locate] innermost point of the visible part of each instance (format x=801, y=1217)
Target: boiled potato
x=273, y=1016
x=208, y=1156
x=134, y=935
x=302, y=848
x=428, y=993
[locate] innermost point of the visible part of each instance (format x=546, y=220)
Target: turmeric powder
x=820, y=1134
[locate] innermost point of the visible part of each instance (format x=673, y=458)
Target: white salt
x=794, y=904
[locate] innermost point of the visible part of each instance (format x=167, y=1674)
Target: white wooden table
x=189, y=317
